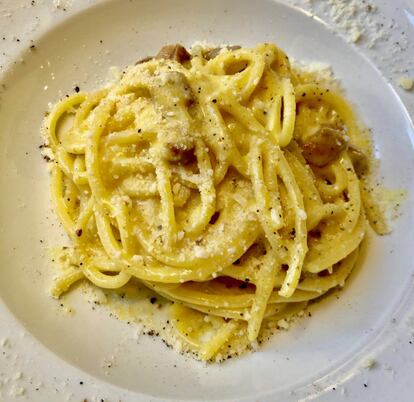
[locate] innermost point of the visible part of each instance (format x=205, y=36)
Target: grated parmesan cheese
x=406, y=83
x=359, y=21
x=368, y=363
x=302, y=214
x=17, y=391
x=283, y=324
x=200, y=252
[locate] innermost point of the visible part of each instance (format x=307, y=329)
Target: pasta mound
x=223, y=180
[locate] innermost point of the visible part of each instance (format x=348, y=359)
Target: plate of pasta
x=204, y=211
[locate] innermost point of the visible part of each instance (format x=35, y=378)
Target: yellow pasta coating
x=225, y=184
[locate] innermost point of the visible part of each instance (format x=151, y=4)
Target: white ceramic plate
x=97, y=357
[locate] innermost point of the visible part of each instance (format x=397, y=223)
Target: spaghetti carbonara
x=224, y=180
